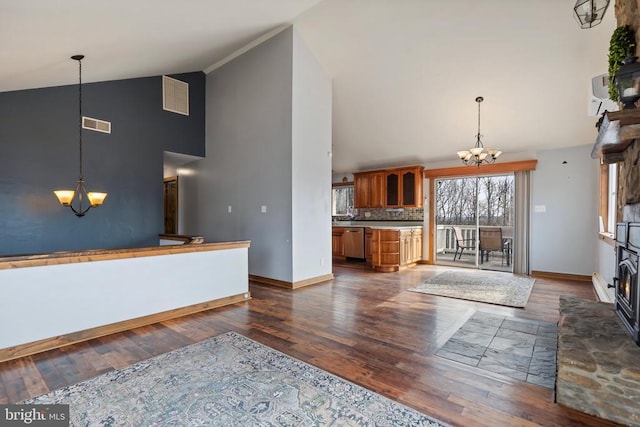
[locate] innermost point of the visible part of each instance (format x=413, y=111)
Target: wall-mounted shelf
x=617, y=131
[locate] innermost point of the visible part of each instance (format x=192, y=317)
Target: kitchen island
x=388, y=245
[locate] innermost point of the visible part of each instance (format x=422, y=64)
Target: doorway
x=474, y=220
x=171, y=205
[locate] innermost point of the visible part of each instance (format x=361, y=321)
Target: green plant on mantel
x=621, y=46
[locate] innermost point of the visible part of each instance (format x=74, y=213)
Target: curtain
x=521, y=223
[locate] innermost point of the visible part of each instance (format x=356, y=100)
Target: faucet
x=350, y=213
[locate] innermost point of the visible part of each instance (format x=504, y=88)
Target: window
x=342, y=199
x=608, y=201
x=613, y=185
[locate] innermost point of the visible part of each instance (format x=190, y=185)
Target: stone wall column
x=627, y=13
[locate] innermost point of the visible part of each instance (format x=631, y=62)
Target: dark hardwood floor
x=362, y=326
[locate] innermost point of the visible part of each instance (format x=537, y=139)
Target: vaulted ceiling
x=405, y=72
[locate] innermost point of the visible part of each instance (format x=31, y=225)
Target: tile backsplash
x=387, y=214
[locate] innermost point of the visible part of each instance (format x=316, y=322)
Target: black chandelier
x=478, y=155
x=69, y=197
x=589, y=13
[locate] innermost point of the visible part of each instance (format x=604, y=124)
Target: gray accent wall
x=39, y=153
x=563, y=238
x=256, y=149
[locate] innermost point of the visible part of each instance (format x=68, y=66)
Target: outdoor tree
x=464, y=201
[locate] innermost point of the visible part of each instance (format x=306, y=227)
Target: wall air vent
x=175, y=95
x=96, y=124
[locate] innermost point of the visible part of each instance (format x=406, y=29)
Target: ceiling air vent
x=96, y=124
x=175, y=95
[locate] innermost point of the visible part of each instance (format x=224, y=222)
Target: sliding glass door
x=474, y=221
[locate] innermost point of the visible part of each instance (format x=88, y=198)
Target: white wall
x=606, y=261
x=311, y=171
x=258, y=146
x=563, y=239
x=401, y=68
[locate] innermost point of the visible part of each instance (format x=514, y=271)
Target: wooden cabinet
x=395, y=249
x=376, y=190
x=368, y=190
x=391, y=188
x=404, y=187
x=410, y=246
x=416, y=244
x=411, y=185
x=405, y=247
x=367, y=245
x=361, y=191
x=337, y=241
x=385, y=248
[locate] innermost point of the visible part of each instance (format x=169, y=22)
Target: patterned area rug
x=228, y=380
x=494, y=288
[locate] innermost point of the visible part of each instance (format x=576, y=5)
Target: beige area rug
x=228, y=380
x=494, y=288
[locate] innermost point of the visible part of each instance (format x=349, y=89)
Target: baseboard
x=46, y=344
x=561, y=276
x=291, y=285
x=603, y=292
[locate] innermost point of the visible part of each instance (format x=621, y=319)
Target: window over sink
x=342, y=199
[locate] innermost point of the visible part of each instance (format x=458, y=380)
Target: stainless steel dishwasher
x=353, y=238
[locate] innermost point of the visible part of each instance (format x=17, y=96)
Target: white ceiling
x=127, y=38
x=405, y=72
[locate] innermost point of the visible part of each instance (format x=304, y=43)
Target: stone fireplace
x=618, y=142
x=598, y=371
x=627, y=292
x=627, y=295
x=599, y=346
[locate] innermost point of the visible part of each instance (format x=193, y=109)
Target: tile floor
x=518, y=348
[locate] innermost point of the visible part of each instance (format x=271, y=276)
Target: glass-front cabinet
x=404, y=188
x=393, y=189
x=409, y=184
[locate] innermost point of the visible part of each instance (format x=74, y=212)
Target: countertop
x=386, y=225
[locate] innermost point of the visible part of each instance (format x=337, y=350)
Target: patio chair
x=462, y=243
x=491, y=241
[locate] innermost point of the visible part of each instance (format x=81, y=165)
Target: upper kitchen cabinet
x=390, y=188
x=368, y=189
x=376, y=199
x=404, y=187
x=392, y=180
x=411, y=187
x=361, y=190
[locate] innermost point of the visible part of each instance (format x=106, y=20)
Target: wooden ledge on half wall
x=67, y=257
x=180, y=239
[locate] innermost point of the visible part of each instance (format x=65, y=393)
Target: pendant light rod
x=478, y=155
x=67, y=197
x=79, y=58
x=479, y=99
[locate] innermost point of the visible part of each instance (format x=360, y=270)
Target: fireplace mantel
x=617, y=131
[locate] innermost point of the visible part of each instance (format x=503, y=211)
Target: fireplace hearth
x=627, y=302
